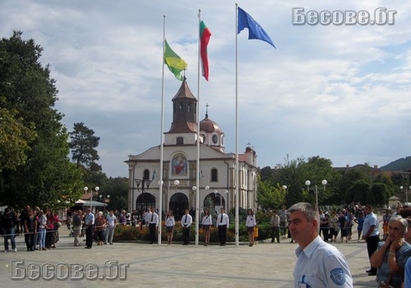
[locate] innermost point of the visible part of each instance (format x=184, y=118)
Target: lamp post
x=197, y=216
x=176, y=183
x=405, y=176
x=91, y=195
x=145, y=183
x=285, y=191
x=104, y=199
x=194, y=188
x=308, y=183
x=406, y=192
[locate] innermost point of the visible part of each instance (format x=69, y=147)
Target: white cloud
x=340, y=92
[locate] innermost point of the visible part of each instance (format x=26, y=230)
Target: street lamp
x=91, y=195
x=406, y=192
x=308, y=183
x=104, y=199
x=405, y=176
x=144, y=183
x=194, y=188
x=176, y=183
x=285, y=192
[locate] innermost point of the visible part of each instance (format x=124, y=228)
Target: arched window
x=214, y=175
x=146, y=174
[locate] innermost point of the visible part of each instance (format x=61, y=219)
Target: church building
x=217, y=168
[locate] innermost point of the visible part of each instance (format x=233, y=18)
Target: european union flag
x=255, y=31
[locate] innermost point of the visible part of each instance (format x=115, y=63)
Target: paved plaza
x=152, y=265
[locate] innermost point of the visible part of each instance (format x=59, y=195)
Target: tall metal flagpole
x=160, y=182
x=197, y=191
x=237, y=243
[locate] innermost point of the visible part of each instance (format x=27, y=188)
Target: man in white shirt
x=371, y=234
x=222, y=225
x=152, y=224
x=319, y=264
x=186, y=222
x=88, y=226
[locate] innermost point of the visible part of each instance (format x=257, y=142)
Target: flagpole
x=237, y=243
x=160, y=183
x=197, y=191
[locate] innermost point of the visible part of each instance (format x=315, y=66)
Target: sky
x=333, y=88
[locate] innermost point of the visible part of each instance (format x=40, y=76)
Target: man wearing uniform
x=319, y=264
x=153, y=224
x=186, y=222
x=371, y=234
x=222, y=225
x=89, y=226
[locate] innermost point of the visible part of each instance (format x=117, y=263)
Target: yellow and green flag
x=174, y=62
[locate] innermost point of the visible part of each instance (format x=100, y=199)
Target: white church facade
x=217, y=168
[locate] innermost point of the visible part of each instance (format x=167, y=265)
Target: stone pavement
x=151, y=265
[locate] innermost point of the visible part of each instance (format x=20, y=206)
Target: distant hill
x=402, y=164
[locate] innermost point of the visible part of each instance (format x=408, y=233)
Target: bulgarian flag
x=174, y=63
x=205, y=35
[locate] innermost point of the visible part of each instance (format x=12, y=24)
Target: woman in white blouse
x=206, y=223
x=170, y=223
x=250, y=222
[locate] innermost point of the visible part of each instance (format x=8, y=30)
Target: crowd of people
x=40, y=228
x=320, y=264
x=387, y=237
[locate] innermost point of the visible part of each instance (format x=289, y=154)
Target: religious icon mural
x=179, y=165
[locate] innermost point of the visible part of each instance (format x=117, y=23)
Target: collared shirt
x=401, y=257
x=186, y=220
x=207, y=220
x=222, y=220
x=275, y=221
x=321, y=265
x=153, y=218
x=111, y=220
x=170, y=221
x=250, y=221
x=370, y=220
x=89, y=219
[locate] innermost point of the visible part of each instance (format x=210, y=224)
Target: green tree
x=14, y=140
x=380, y=193
x=347, y=180
x=82, y=145
x=269, y=196
x=317, y=169
x=47, y=175
x=117, y=188
x=360, y=192
x=289, y=174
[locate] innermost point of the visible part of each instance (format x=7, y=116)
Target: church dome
x=211, y=134
x=209, y=126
